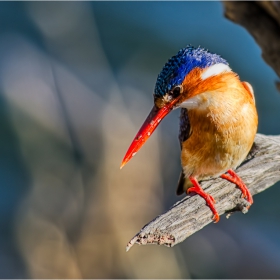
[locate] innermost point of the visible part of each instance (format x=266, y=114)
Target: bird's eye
x=176, y=91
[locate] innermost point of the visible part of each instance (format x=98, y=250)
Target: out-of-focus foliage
x=76, y=80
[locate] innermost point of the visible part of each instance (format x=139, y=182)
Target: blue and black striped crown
x=178, y=66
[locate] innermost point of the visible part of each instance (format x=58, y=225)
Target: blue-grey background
x=76, y=83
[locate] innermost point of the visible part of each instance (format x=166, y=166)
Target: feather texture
x=223, y=124
x=180, y=65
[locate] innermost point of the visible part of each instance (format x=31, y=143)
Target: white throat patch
x=215, y=70
x=200, y=101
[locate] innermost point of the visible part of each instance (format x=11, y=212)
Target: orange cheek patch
x=193, y=84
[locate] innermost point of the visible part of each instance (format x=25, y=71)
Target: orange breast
x=223, y=128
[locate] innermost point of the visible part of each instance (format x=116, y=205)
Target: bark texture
x=259, y=171
x=262, y=21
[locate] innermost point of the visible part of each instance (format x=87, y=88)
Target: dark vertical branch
x=262, y=21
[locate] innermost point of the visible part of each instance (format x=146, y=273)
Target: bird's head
x=181, y=78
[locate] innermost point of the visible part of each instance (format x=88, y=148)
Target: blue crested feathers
x=178, y=66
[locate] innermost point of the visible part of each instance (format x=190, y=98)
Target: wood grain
x=259, y=171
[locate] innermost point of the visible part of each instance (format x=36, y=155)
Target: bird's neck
x=214, y=103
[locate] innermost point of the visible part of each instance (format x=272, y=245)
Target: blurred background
x=76, y=83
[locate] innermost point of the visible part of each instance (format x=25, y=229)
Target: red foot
x=233, y=177
x=208, y=198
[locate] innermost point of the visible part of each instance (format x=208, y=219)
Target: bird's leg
x=208, y=198
x=234, y=178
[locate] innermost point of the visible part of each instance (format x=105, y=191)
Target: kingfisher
x=218, y=119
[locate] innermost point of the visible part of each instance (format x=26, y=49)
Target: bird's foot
x=210, y=201
x=234, y=178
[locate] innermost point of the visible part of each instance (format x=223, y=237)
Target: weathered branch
x=259, y=171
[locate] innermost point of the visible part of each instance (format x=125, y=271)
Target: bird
x=218, y=119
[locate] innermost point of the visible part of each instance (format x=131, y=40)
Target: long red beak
x=146, y=130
